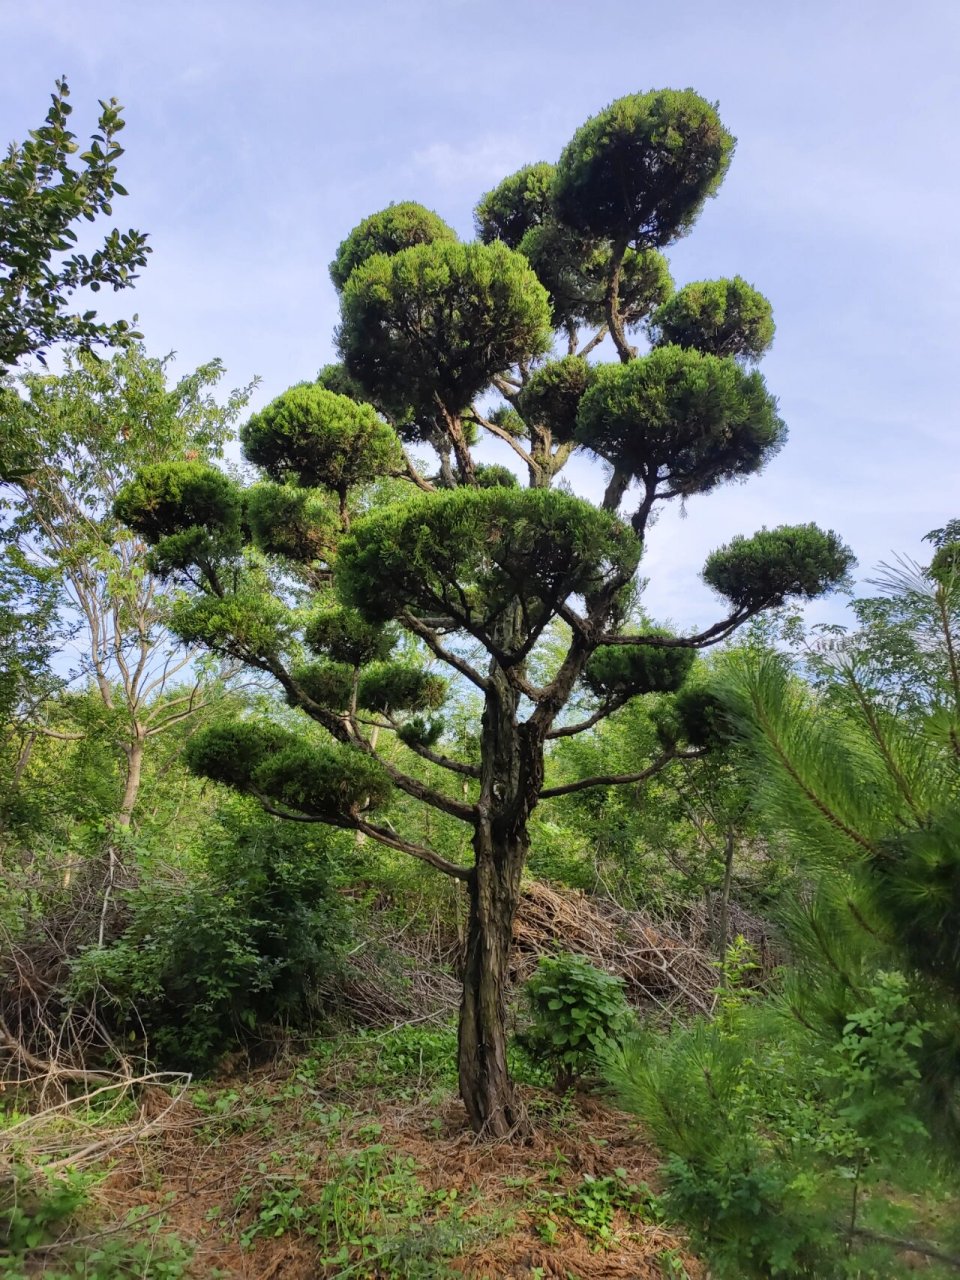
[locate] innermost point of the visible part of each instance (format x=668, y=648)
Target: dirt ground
x=198, y=1167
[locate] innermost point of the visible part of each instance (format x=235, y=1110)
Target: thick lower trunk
x=485, y=1085
x=511, y=777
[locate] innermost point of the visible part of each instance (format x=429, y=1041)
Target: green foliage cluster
x=323, y=779
x=468, y=552
x=344, y=636
x=290, y=522
x=243, y=946
x=520, y=202
x=642, y=169
x=189, y=511
x=248, y=624
x=320, y=440
x=719, y=317
x=789, y=561
x=42, y=196
x=553, y=394
x=627, y=669
x=689, y=418
x=399, y=226
x=479, y=309
x=578, y=1013
x=781, y=1148
x=591, y=1207
x=40, y=1215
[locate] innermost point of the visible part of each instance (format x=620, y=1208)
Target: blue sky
x=259, y=133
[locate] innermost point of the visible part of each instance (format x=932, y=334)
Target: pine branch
x=702, y=640
x=620, y=779
x=608, y=708
x=393, y=841
x=432, y=641
x=508, y=439
x=445, y=762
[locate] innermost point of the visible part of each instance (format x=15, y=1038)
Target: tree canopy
x=380, y=595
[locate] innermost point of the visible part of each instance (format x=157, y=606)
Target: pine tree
x=315, y=574
x=859, y=772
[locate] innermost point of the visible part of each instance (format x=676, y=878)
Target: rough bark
x=511, y=778
x=614, y=319
x=485, y=1086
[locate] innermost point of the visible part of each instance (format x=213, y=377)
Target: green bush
x=578, y=1014
x=243, y=944
x=781, y=1146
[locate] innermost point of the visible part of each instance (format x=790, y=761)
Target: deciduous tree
x=43, y=195
x=85, y=432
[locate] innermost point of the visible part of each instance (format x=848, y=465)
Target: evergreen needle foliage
x=418, y=593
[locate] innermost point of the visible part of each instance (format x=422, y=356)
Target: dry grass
x=192, y=1169
x=203, y=1175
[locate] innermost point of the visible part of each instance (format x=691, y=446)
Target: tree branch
x=432, y=641
x=713, y=635
x=445, y=762
x=620, y=779
x=54, y=733
x=507, y=438
x=595, y=341
x=393, y=841
x=608, y=708
x=614, y=318
x=420, y=791
x=411, y=473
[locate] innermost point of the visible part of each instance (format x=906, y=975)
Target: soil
x=269, y=1124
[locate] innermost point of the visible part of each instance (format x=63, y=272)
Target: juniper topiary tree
x=443, y=343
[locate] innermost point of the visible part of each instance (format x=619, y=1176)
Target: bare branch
x=432, y=641
x=55, y=733
x=496, y=430
x=420, y=791
x=410, y=472
x=595, y=341
x=608, y=708
x=620, y=779
x=393, y=841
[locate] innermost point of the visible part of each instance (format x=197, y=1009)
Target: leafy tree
x=467, y=576
x=85, y=432
x=42, y=196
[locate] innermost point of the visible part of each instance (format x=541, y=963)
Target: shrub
x=243, y=944
x=771, y=1134
x=578, y=1014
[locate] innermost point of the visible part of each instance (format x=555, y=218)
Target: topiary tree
x=469, y=571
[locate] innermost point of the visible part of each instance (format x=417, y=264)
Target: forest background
x=177, y=922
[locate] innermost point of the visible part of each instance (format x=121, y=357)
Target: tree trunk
x=133, y=752
x=511, y=778
x=485, y=1085
x=131, y=788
